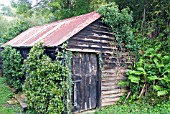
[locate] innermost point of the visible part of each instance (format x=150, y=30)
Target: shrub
x=151, y=72
x=12, y=64
x=45, y=86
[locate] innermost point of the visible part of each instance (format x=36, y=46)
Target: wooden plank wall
x=98, y=38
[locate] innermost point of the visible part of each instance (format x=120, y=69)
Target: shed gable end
x=94, y=38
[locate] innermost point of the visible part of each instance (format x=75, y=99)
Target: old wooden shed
x=91, y=42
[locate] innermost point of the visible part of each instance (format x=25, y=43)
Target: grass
x=5, y=95
x=137, y=108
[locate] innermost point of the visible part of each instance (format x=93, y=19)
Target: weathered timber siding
x=94, y=38
x=98, y=38
x=85, y=79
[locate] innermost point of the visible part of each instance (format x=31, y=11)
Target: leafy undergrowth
x=5, y=95
x=136, y=108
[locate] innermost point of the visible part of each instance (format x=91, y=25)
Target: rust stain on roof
x=55, y=33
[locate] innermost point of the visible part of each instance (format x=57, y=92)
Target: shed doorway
x=86, y=79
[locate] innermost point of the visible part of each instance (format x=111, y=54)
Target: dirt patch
x=7, y=105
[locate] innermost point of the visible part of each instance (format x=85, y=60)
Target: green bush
x=153, y=70
x=45, y=85
x=12, y=67
x=120, y=22
x=150, y=75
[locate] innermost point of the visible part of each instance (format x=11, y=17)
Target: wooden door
x=86, y=81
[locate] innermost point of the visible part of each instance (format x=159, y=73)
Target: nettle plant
x=46, y=86
x=151, y=73
x=12, y=67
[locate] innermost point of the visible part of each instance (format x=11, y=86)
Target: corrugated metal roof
x=55, y=33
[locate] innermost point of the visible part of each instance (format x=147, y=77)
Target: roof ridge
x=74, y=17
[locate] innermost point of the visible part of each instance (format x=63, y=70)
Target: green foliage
x=3, y=24
x=15, y=30
x=46, y=81
x=151, y=16
x=120, y=22
x=22, y=7
x=54, y=10
x=152, y=69
x=150, y=74
x=12, y=64
x=6, y=10
x=136, y=108
x=121, y=18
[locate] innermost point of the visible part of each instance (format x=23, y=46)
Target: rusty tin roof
x=55, y=33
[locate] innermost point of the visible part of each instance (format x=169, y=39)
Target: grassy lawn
x=5, y=94
x=136, y=108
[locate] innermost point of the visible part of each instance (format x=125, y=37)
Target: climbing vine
x=47, y=85
x=12, y=64
x=120, y=23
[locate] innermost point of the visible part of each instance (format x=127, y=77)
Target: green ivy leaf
x=134, y=79
x=166, y=59
x=152, y=78
x=157, y=87
x=135, y=72
x=161, y=93
x=156, y=61
x=123, y=83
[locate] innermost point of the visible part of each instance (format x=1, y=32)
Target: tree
x=3, y=24
x=57, y=9
x=14, y=30
x=152, y=16
x=6, y=10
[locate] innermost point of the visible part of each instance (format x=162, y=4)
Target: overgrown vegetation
x=54, y=10
x=46, y=86
x=48, y=83
x=150, y=75
x=12, y=64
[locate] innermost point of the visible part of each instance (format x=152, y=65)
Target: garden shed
x=95, y=70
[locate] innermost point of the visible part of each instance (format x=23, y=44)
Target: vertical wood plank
x=85, y=81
